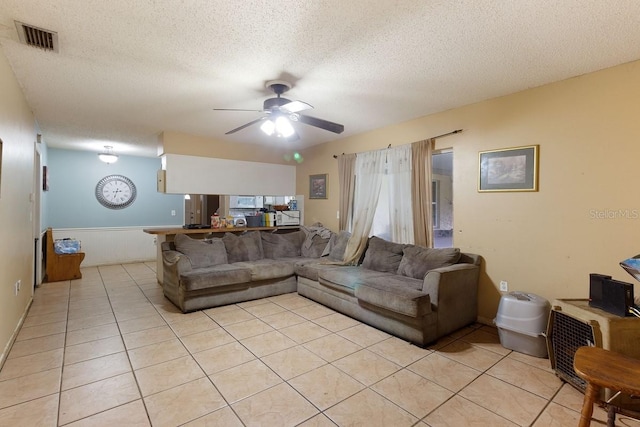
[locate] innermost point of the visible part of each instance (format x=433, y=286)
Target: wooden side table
x=61, y=266
x=605, y=369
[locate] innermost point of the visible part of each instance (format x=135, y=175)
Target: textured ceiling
x=127, y=70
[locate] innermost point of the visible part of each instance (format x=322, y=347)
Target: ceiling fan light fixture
x=268, y=127
x=108, y=156
x=283, y=127
x=280, y=112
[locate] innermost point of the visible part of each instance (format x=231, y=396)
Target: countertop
x=180, y=230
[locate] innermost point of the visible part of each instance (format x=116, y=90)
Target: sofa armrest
x=454, y=295
x=174, y=263
x=452, y=282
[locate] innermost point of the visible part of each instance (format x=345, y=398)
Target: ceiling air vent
x=37, y=37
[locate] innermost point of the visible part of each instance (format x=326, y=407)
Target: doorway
x=442, y=198
x=38, y=245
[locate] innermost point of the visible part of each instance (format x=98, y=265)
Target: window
x=393, y=219
x=435, y=204
x=393, y=213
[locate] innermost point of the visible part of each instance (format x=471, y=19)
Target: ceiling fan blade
x=245, y=125
x=296, y=106
x=322, y=124
x=235, y=109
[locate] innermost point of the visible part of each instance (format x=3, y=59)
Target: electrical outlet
x=173, y=213
x=16, y=287
x=504, y=286
x=338, y=214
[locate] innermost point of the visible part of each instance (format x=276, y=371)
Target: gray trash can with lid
x=522, y=322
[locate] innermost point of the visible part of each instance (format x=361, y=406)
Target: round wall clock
x=115, y=191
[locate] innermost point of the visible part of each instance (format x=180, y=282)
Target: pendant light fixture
x=108, y=156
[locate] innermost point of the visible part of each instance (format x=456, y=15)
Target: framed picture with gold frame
x=509, y=169
x=318, y=186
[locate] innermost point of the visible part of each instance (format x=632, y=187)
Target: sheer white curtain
x=400, y=205
x=370, y=167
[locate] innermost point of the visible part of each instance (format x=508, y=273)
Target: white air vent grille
x=37, y=37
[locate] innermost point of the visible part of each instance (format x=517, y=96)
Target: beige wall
x=192, y=145
x=545, y=242
x=17, y=132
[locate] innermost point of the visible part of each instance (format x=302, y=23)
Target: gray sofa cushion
x=346, y=278
x=382, y=255
x=396, y=279
x=310, y=270
x=395, y=297
x=201, y=253
x=417, y=260
x=286, y=245
x=213, y=277
x=338, y=244
x=266, y=269
x=246, y=247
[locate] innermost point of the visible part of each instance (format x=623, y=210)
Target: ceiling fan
x=280, y=112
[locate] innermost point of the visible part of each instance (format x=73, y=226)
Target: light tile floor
x=109, y=349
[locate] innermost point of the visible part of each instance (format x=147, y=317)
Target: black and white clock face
x=115, y=191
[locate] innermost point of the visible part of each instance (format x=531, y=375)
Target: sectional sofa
x=416, y=293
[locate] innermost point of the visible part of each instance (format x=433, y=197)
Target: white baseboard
x=14, y=335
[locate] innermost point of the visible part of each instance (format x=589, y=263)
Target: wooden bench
x=605, y=369
x=61, y=266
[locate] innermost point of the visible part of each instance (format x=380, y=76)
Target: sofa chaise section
x=415, y=293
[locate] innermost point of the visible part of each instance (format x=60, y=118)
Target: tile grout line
x=126, y=352
x=461, y=338
x=64, y=353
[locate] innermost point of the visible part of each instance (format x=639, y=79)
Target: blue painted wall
x=71, y=200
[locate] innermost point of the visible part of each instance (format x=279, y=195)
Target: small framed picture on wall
x=509, y=169
x=318, y=186
x=45, y=178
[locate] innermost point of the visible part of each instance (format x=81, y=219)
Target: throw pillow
x=285, y=245
x=418, y=260
x=382, y=255
x=338, y=245
x=201, y=253
x=245, y=247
